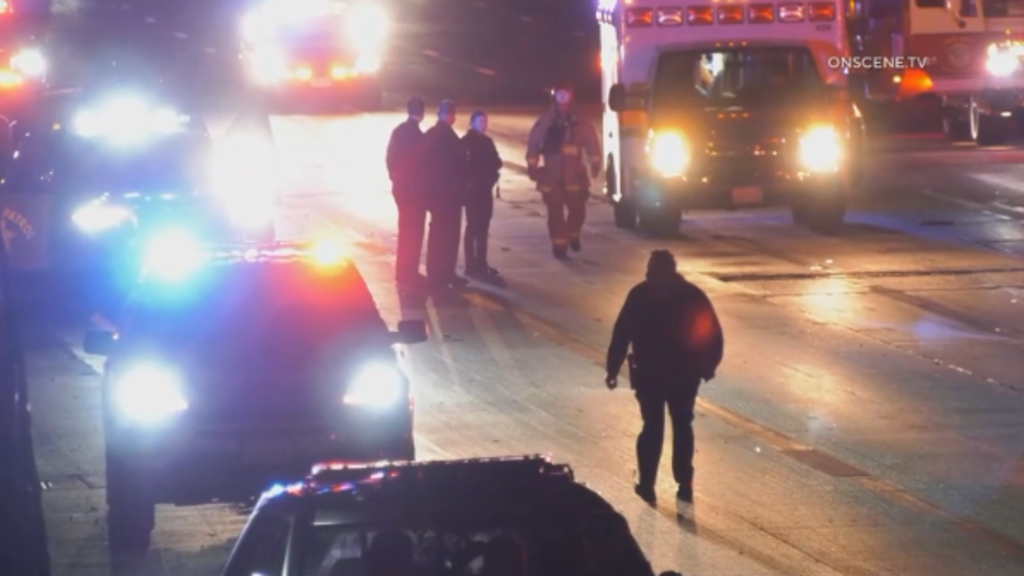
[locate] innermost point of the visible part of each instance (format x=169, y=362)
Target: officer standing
x=677, y=344
x=484, y=168
x=404, y=161
x=445, y=167
x=562, y=139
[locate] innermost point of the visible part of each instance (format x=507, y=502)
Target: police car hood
x=727, y=127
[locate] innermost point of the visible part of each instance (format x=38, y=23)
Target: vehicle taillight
x=9, y=79
x=636, y=17
x=791, y=12
x=761, y=13
x=732, y=14
x=821, y=11
x=700, y=15
x=670, y=16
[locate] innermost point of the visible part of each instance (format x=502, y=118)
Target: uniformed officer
x=677, y=344
x=404, y=162
x=484, y=166
x=562, y=139
x=445, y=183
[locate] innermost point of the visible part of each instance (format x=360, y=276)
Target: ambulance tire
x=822, y=215
x=661, y=223
x=993, y=130
x=625, y=212
x=131, y=512
x=955, y=127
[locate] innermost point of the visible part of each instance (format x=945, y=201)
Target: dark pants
x=680, y=399
x=566, y=213
x=443, y=242
x=478, y=225
x=412, y=224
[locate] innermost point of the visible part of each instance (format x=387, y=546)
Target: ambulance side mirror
x=617, y=98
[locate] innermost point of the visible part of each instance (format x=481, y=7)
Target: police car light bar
x=787, y=12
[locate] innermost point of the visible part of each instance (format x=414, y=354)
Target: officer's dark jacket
x=405, y=158
x=444, y=164
x=483, y=164
x=672, y=335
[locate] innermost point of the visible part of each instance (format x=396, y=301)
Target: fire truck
x=715, y=105
x=974, y=49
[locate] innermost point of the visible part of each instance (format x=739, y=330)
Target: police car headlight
x=128, y=120
x=668, y=153
x=376, y=385
x=172, y=255
x=821, y=149
x=148, y=394
x=30, y=63
x=100, y=216
x=368, y=27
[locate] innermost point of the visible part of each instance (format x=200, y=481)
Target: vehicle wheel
x=955, y=126
x=799, y=212
x=625, y=213
x=992, y=130
x=663, y=223
x=131, y=511
x=825, y=215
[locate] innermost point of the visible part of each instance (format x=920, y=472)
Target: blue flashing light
x=173, y=255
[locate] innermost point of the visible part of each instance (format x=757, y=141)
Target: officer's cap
x=445, y=108
x=416, y=106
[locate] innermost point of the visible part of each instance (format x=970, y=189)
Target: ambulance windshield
x=1004, y=8
x=736, y=78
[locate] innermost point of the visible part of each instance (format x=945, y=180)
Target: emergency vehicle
x=727, y=105
x=974, y=50
x=316, y=49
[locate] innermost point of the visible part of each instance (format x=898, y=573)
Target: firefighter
x=562, y=139
x=445, y=183
x=484, y=165
x=677, y=344
x=404, y=162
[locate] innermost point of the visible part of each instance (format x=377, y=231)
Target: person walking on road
x=405, y=167
x=677, y=343
x=484, y=169
x=445, y=164
x=562, y=139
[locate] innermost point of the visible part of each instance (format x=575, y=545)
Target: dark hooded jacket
x=483, y=164
x=405, y=161
x=444, y=166
x=674, y=333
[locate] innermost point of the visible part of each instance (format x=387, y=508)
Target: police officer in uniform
x=484, y=165
x=677, y=344
x=404, y=162
x=563, y=139
x=445, y=183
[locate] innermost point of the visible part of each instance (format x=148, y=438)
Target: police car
x=434, y=517
x=727, y=106
x=233, y=368
x=316, y=50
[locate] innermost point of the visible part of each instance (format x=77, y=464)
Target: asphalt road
x=866, y=420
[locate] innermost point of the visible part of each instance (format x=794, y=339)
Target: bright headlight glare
x=148, y=394
x=99, y=216
x=376, y=385
x=31, y=63
x=128, y=120
x=1002, y=64
x=368, y=26
x=667, y=153
x=820, y=149
x=173, y=255
x=269, y=66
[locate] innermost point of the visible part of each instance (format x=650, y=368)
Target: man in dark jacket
x=445, y=168
x=677, y=344
x=484, y=168
x=404, y=160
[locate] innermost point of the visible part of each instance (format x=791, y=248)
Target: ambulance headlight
x=268, y=66
x=127, y=119
x=377, y=385
x=148, y=394
x=173, y=255
x=99, y=216
x=1003, y=61
x=368, y=26
x=30, y=63
x=820, y=149
x=668, y=153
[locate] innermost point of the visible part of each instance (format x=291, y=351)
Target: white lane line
x=486, y=71
x=430, y=53
x=150, y=20
x=209, y=50
x=994, y=209
x=181, y=35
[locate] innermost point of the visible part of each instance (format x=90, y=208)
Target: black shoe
x=412, y=280
x=685, y=494
x=560, y=251
x=646, y=493
x=457, y=281
x=575, y=245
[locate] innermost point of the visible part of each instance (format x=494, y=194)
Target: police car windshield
x=174, y=164
x=735, y=78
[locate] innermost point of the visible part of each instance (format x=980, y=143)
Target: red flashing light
x=639, y=17
x=821, y=12
x=761, y=13
x=791, y=12
x=700, y=15
x=732, y=14
x=672, y=16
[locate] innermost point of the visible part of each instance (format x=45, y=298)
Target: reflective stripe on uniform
x=533, y=160
x=570, y=150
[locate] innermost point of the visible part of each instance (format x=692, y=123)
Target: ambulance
x=727, y=105
x=974, y=49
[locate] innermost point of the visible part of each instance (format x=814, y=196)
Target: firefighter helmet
x=562, y=95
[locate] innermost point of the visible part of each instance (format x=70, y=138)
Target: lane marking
x=150, y=20
x=181, y=35
x=430, y=53
x=994, y=209
x=486, y=71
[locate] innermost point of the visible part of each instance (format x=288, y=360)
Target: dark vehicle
x=233, y=370
x=449, y=514
x=319, y=51
x=744, y=127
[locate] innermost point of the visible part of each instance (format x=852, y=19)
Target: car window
x=264, y=546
